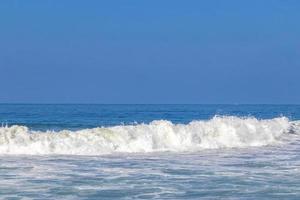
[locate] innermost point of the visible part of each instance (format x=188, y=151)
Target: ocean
x=149, y=151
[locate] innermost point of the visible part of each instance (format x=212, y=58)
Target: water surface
x=247, y=152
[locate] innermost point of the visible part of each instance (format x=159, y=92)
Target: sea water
x=149, y=151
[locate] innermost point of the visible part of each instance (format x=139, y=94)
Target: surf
x=157, y=136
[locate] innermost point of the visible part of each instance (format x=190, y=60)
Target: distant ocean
x=149, y=151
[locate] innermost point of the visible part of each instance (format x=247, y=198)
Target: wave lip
x=160, y=135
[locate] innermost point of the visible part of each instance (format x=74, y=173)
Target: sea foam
x=160, y=135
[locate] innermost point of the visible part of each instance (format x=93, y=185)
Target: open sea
x=149, y=151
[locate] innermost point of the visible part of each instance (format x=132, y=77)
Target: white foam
x=219, y=132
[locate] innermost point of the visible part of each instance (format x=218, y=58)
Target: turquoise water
x=150, y=151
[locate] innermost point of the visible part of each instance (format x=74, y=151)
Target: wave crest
x=161, y=135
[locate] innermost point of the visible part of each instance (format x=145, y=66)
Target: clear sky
x=158, y=51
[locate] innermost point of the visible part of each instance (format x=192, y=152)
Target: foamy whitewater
x=149, y=152
x=162, y=135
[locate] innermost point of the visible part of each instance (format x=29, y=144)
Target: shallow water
x=267, y=171
x=228, y=174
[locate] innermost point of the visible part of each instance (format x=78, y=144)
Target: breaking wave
x=161, y=135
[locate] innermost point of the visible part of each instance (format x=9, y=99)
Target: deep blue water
x=88, y=116
x=253, y=155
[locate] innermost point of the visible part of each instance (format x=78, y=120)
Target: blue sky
x=150, y=51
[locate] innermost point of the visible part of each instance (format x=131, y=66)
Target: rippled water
x=233, y=174
x=256, y=172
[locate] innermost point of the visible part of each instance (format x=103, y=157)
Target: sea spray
x=160, y=135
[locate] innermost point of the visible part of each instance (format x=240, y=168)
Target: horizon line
x=148, y=103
